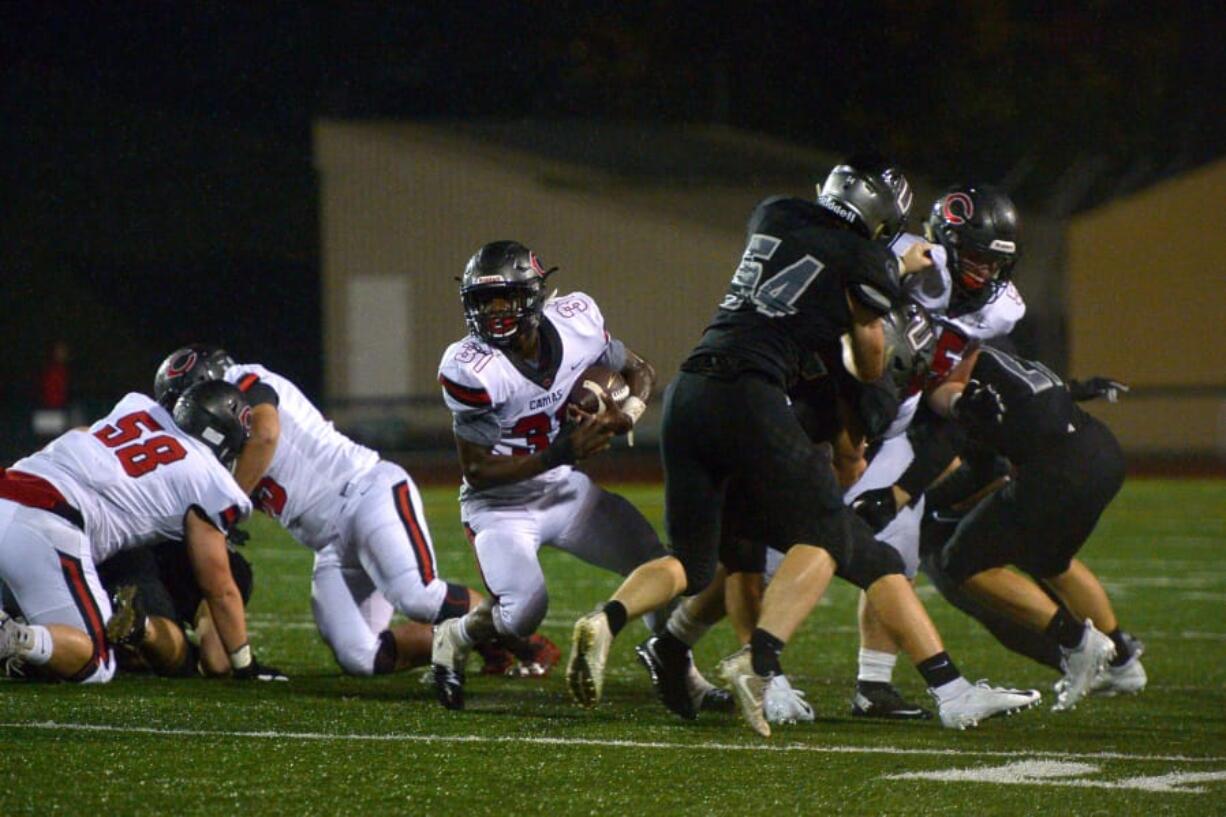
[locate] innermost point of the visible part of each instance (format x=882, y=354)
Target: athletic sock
x=1123, y=649
x=615, y=611
x=35, y=644
x=764, y=650
x=464, y=635
x=684, y=627
x=1066, y=630
x=938, y=670
x=876, y=666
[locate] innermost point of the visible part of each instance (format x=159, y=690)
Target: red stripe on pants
x=404, y=506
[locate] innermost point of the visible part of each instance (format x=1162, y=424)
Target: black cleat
x=668, y=669
x=878, y=699
x=717, y=699
x=448, y=686
x=126, y=626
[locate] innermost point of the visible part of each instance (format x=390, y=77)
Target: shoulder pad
x=576, y=306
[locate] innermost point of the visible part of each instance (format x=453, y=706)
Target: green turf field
x=328, y=744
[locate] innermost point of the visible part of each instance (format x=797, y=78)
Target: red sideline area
x=440, y=468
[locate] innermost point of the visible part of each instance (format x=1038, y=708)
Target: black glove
x=237, y=536
x=562, y=450
x=255, y=671
x=980, y=404
x=877, y=507
x=1097, y=387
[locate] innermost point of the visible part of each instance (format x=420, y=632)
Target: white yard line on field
x=54, y=726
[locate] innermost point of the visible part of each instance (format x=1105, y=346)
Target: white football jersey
x=526, y=406
x=932, y=289
x=312, y=464
x=133, y=476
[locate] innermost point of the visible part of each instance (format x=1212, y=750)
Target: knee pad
x=868, y=560
x=356, y=658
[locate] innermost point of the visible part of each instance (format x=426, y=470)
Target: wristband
x=634, y=408
x=241, y=658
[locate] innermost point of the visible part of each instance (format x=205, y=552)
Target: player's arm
x=640, y=377
x=206, y=550
x=865, y=350
x=258, y=452
x=582, y=437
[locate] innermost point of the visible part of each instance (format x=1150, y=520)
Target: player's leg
x=341, y=600
x=144, y=625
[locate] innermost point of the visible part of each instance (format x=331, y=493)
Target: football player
x=969, y=292
x=1067, y=467
x=812, y=273
x=507, y=385
x=139, y=475
x=360, y=514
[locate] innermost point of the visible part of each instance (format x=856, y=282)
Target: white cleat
x=1082, y=666
x=1128, y=678
x=981, y=701
x=16, y=641
x=448, y=656
x=589, y=650
x=747, y=687
x=786, y=704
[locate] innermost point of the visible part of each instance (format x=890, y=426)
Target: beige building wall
x=1147, y=304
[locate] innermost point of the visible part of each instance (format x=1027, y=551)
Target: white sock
x=35, y=644
x=876, y=665
x=685, y=627
x=951, y=690
x=464, y=636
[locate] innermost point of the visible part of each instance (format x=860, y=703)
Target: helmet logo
x=897, y=181
x=536, y=264
x=957, y=208
x=182, y=365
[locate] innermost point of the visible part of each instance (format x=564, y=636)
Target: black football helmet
x=910, y=343
x=216, y=413
x=977, y=224
x=870, y=193
x=503, y=292
x=185, y=367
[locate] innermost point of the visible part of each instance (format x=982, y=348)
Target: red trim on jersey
x=247, y=381
x=466, y=395
x=87, y=605
x=35, y=492
x=421, y=548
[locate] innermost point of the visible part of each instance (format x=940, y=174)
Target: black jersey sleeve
x=874, y=278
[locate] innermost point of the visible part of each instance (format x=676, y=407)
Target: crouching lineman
x=1068, y=467
x=139, y=475
x=507, y=384
x=360, y=514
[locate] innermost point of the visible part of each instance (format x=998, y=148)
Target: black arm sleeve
x=935, y=442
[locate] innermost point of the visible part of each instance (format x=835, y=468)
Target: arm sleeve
x=480, y=427
x=614, y=355
x=261, y=393
x=935, y=443
x=874, y=279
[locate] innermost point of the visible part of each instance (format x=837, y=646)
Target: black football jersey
x=787, y=300
x=1038, y=406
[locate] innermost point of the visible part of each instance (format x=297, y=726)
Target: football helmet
x=870, y=193
x=503, y=292
x=185, y=367
x=977, y=224
x=910, y=343
x=216, y=413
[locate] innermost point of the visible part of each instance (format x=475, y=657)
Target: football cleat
x=748, y=687
x=878, y=699
x=981, y=701
x=589, y=650
x=786, y=704
x=534, y=658
x=15, y=641
x=706, y=696
x=448, y=657
x=1081, y=666
x=497, y=659
x=669, y=669
x=127, y=623
x=1128, y=678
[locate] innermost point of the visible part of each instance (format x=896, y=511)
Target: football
x=597, y=389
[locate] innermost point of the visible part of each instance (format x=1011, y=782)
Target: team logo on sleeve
x=957, y=208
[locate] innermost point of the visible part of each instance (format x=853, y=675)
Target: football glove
x=237, y=536
x=1094, y=387
x=877, y=507
x=979, y=404
x=255, y=671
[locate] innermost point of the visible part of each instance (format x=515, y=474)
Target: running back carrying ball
x=597, y=389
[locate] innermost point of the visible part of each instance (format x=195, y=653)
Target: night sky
x=159, y=188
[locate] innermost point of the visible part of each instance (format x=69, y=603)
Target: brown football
x=598, y=388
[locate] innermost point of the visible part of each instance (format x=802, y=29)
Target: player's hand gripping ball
x=601, y=392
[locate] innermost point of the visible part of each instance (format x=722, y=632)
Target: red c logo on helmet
x=182, y=365
x=957, y=208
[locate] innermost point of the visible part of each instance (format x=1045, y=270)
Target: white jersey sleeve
x=134, y=475
x=930, y=288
